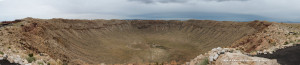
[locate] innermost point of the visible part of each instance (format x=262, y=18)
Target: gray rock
x=215, y=56
x=10, y=59
x=211, y=58
x=1, y=58
x=28, y=64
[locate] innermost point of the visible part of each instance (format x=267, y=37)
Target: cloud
x=177, y=1
x=226, y=0
x=279, y=10
x=160, y=1
x=203, y=16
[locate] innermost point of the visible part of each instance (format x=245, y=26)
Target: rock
x=17, y=59
x=214, y=49
x=10, y=59
x=215, y=56
x=102, y=64
x=187, y=63
x=258, y=52
x=211, y=58
x=237, y=51
x=271, y=52
x=4, y=56
x=52, y=62
x=265, y=53
x=241, y=59
x=219, y=48
x=1, y=58
x=25, y=61
x=223, y=51
x=192, y=63
x=28, y=64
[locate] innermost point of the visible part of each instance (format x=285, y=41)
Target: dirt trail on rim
x=287, y=56
x=128, y=41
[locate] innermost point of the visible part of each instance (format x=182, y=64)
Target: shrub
x=273, y=43
x=65, y=63
x=1, y=52
x=204, y=62
x=297, y=40
x=40, y=63
x=285, y=43
x=30, y=59
x=292, y=42
x=30, y=55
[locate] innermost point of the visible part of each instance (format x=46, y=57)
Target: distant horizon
x=180, y=19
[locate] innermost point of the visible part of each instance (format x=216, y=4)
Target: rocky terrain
x=192, y=42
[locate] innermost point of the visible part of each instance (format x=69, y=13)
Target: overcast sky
x=231, y=10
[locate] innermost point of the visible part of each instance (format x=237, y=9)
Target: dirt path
x=287, y=56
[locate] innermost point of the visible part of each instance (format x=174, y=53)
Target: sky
x=221, y=10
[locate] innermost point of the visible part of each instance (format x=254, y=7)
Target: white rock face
x=25, y=61
x=230, y=56
x=10, y=59
x=241, y=59
x=211, y=58
x=1, y=57
x=215, y=56
x=17, y=59
x=214, y=53
x=4, y=55
x=28, y=64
